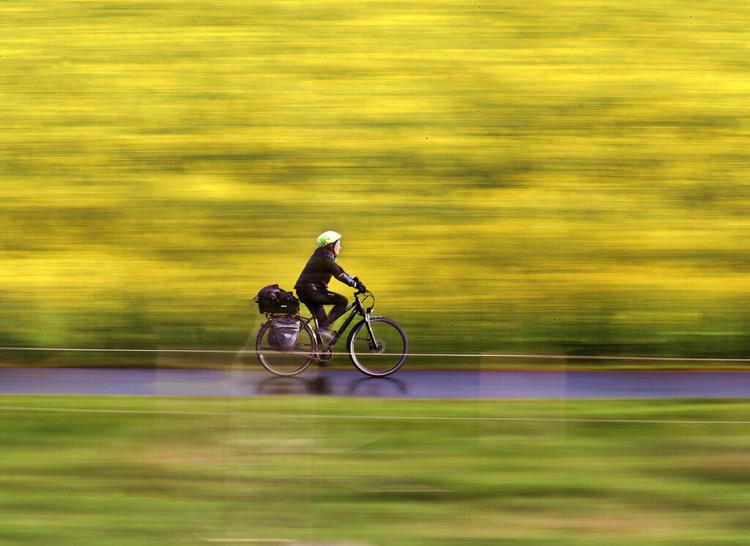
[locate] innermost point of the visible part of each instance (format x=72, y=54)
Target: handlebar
x=367, y=294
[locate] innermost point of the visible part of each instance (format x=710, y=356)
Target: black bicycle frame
x=357, y=308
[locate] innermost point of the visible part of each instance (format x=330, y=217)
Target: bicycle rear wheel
x=381, y=353
x=286, y=363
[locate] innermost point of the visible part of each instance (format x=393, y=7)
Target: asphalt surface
x=404, y=384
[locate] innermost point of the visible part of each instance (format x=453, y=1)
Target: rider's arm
x=346, y=279
x=337, y=271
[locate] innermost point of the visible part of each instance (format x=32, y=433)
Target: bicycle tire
x=286, y=363
x=376, y=361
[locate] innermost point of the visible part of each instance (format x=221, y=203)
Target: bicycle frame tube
x=356, y=309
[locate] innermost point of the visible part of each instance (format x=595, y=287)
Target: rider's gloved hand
x=359, y=285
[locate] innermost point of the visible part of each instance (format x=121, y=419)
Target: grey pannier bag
x=283, y=333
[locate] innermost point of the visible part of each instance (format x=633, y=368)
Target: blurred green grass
x=563, y=177
x=135, y=470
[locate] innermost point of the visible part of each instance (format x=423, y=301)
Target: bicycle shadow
x=321, y=385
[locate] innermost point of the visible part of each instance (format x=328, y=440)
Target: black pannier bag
x=284, y=332
x=275, y=300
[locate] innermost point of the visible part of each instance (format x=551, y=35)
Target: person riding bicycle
x=312, y=285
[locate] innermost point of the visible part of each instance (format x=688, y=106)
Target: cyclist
x=312, y=285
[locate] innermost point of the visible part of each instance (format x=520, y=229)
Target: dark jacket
x=319, y=269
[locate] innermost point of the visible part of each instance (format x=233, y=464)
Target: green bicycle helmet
x=327, y=237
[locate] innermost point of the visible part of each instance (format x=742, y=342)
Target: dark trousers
x=315, y=299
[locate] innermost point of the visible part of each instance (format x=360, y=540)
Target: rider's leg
x=316, y=299
x=317, y=311
x=313, y=300
x=339, y=303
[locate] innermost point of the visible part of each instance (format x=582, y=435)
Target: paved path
x=404, y=384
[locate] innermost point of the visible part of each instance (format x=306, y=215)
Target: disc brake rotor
x=378, y=346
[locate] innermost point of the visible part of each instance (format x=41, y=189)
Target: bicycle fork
x=374, y=345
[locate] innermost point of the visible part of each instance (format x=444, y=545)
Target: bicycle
x=377, y=345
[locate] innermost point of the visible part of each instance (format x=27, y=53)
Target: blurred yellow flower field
x=549, y=177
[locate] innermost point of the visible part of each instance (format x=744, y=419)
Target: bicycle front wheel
x=379, y=350
x=286, y=363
